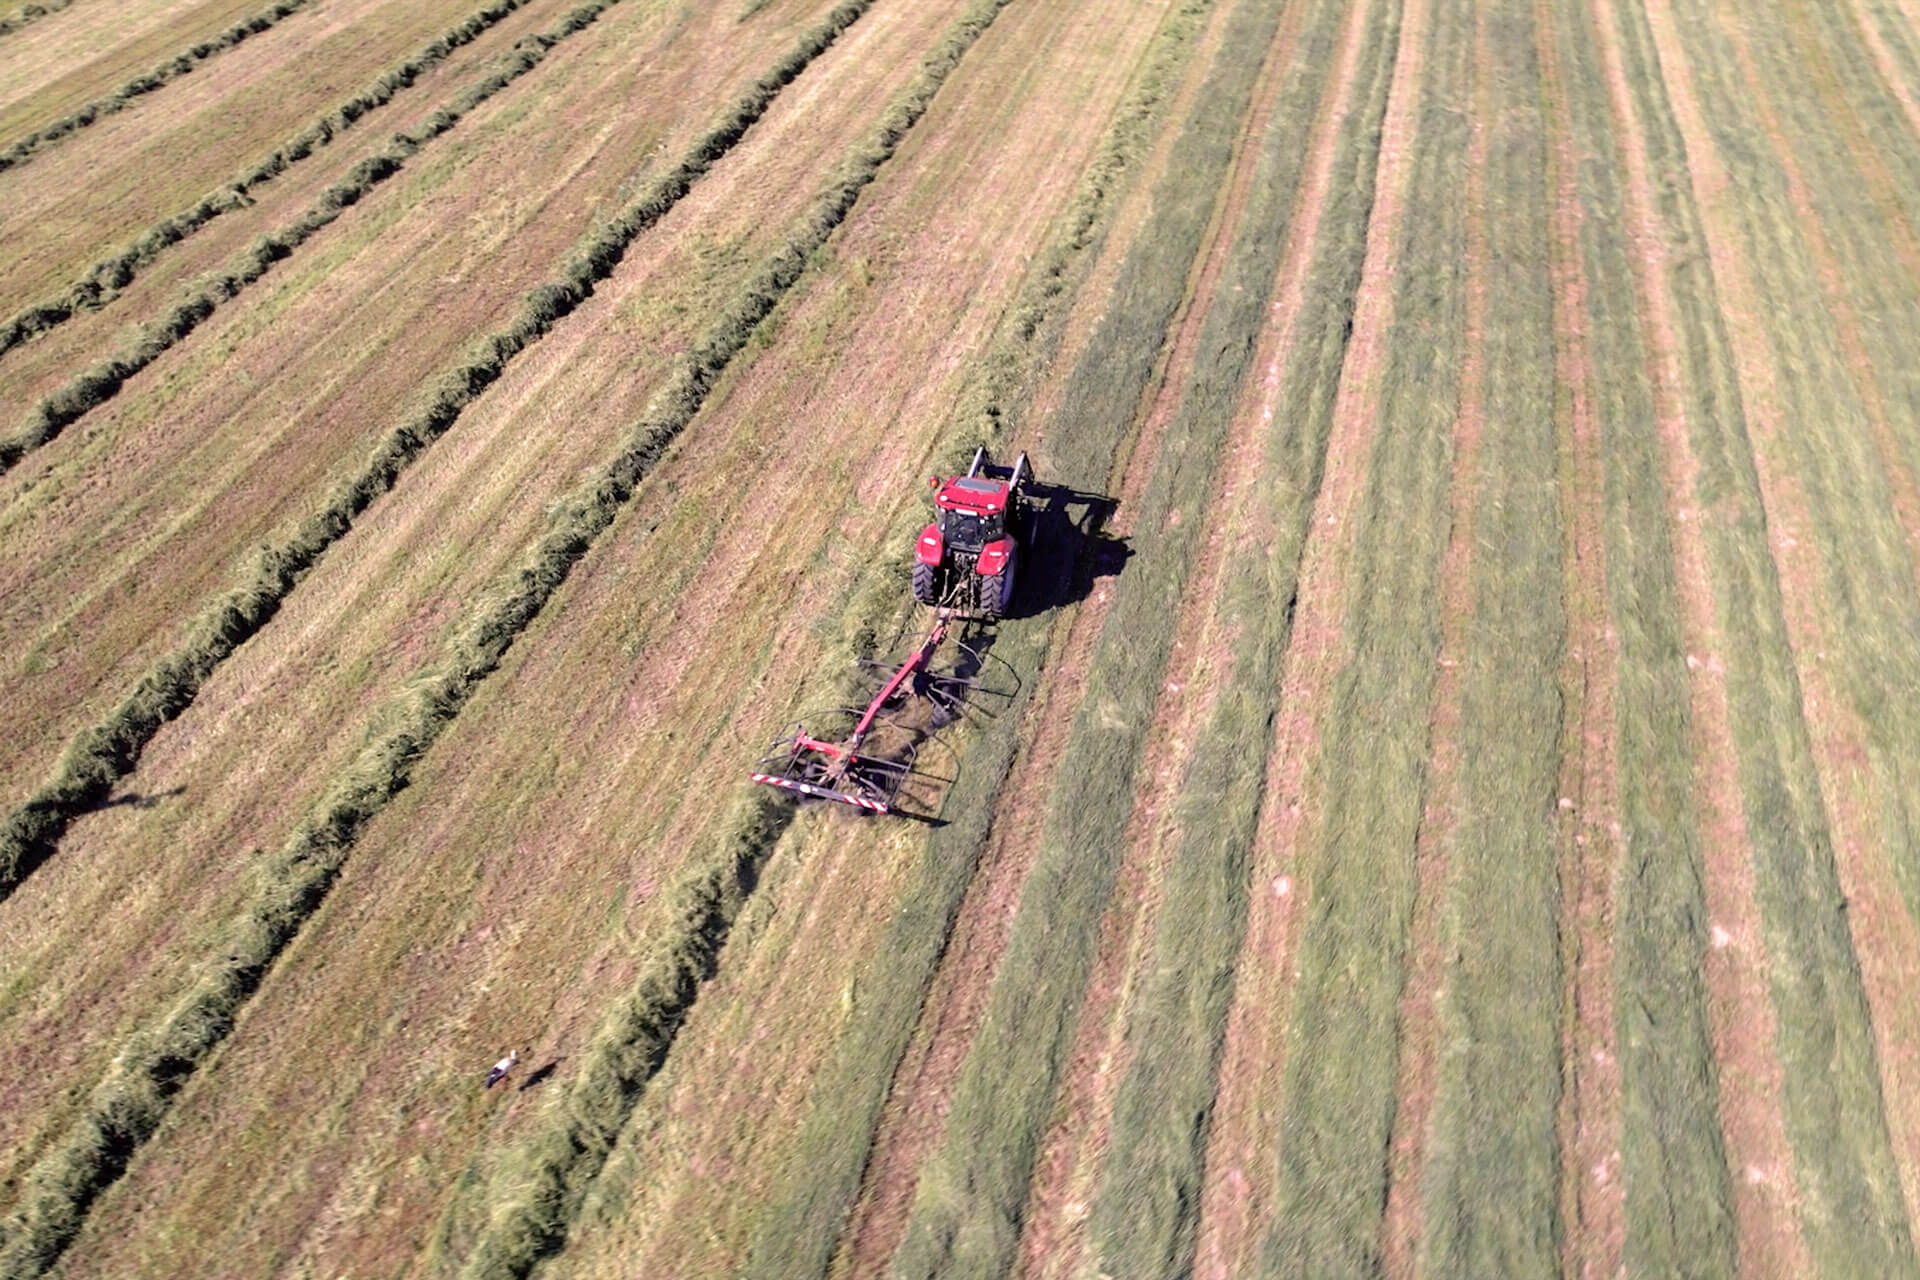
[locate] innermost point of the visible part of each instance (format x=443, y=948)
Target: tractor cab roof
x=973, y=494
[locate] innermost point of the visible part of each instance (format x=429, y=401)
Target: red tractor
x=967, y=558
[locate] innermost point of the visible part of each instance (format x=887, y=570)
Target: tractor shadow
x=1071, y=549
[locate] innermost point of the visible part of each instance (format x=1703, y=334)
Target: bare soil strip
x=1421, y=1032
x=1593, y=1199
x=1234, y=1195
x=1765, y=1195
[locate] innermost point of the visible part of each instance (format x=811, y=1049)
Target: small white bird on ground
x=501, y=1068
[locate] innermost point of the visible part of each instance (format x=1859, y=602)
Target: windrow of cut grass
x=1849, y=477
x=1144, y=1216
x=129, y=1104
x=1678, y=1186
x=1851, y=1209
x=103, y=380
x=30, y=14
x=101, y=755
x=105, y=279
x=542, y=1186
x=1490, y=1186
x=130, y=92
x=1339, y=1092
x=798, y=1231
x=971, y=1193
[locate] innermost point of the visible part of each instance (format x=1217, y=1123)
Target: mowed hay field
x=1448, y=806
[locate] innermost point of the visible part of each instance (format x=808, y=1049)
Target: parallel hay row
x=23, y=150
x=798, y=1232
x=971, y=1194
x=100, y=756
x=1146, y=1210
x=104, y=280
x=102, y=381
x=1673, y=1160
x=1490, y=1187
x=31, y=14
x=128, y=1105
x=1338, y=1096
x=542, y=1187
x=1835, y=1114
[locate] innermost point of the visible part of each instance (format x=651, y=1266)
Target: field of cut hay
x=1443, y=801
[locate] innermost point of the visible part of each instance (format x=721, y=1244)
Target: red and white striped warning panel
x=808, y=788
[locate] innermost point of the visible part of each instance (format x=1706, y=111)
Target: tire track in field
x=1422, y=1028
x=1765, y=1193
x=102, y=282
x=1886, y=941
x=1847, y=1172
x=129, y=1104
x=100, y=756
x=1593, y=1200
x=130, y=92
x=31, y=14
x=103, y=380
x=1240, y=1146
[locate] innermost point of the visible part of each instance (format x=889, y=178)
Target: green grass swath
x=1146, y=1210
x=1679, y=1193
x=1835, y=1117
x=1341, y=1074
x=1490, y=1187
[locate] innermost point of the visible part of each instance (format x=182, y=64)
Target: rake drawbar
x=838, y=770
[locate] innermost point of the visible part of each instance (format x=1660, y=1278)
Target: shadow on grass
x=140, y=800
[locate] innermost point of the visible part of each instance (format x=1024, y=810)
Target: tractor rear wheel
x=996, y=593
x=923, y=584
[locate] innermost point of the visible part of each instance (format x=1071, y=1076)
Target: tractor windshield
x=968, y=532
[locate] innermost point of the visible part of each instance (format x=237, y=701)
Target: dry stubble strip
x=1490, y=1190
x=129, y=1104
x=1673, y=1165
x=1338, y=1095
x=100, y=756
x=133, y=90
x=103, y=380
x=31, y=14
x=545, y=1182
x=1823, y=1065
x=104, y=280
x=1145, y=1214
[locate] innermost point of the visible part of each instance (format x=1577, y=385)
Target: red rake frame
x=839, y=771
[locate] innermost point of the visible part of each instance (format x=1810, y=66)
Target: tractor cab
x=971, y=512
x=966, y=558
